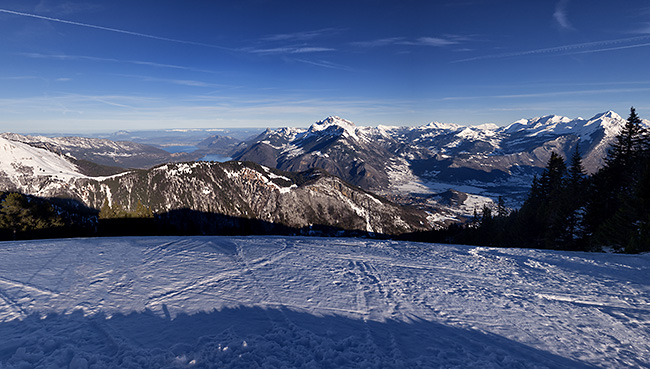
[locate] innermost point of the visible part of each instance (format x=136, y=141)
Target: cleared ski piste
x=273, y=302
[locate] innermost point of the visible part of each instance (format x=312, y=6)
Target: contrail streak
x=113, y=29
x=584, y=48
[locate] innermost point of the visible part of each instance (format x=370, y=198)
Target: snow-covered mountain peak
x=607, y=115
x=554, y=125
x=335, y=124
x=538, y=123
x=332, y=121
x=608, y=121
x=486, y=127
x=546, y=125
x=289, y=133
x=445, y=126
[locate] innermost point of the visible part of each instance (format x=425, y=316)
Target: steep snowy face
x=19, y=159
x=100, y=151
x=33, y=170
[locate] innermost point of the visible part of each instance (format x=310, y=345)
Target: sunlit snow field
x=272, y=302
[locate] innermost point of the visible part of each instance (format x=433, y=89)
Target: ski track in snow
x=269, y=302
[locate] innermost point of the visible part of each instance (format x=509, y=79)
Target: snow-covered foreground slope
x=171, y=302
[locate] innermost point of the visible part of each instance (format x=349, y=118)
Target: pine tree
x=502, y=211
x=612, y=196
x=627, y=146
x=106, y=211
x=577, y=173
x=543, y=215
x=615, y=215
x=142, y=211
x=575, y=200
x=552, y=180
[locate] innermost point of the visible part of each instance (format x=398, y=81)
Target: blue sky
x=87, y=66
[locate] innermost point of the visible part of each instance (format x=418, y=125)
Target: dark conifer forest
x=570, y=210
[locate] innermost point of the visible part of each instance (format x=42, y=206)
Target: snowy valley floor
x=272, y=302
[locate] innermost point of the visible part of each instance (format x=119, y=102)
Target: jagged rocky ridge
x=251, y=191
x=407, y=160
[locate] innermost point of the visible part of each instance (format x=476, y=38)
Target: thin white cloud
x=66, y=7
x=291, y=50
x=379, y=42
x=302, y=50
x=291, y=43
x=434, y=41
x=277, y=50
x=645, y=29
x=560, y=15
x=550, y=94
x=179, y=82
x=325, y=64
x=131, y=33
x=112, y=60
x=611, y=48
x=17, y=78
x=572, y=49
x=301, y=36
x=420, y=41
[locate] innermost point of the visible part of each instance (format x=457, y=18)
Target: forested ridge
x=568, y=209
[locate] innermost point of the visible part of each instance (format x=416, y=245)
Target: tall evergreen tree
x=575, y=200
x=577, y=173
x=106, y=211
x=502, y=211
x=611, y=210
x=627, y=146
x=142, y=211
x=542, y=215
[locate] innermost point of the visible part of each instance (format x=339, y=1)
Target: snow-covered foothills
x=265, y=302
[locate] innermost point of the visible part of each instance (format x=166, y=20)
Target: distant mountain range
x=235, y=191
x=446, y=170
x=416, y=165
x=387, y=158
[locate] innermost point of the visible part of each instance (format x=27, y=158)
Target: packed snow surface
x=271, y=302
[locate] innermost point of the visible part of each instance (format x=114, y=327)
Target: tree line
x=23, y=216
x=568, y=209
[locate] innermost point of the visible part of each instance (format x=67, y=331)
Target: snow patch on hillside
x=18, y=159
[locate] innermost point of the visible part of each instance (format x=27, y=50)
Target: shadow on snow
x=253, y=337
